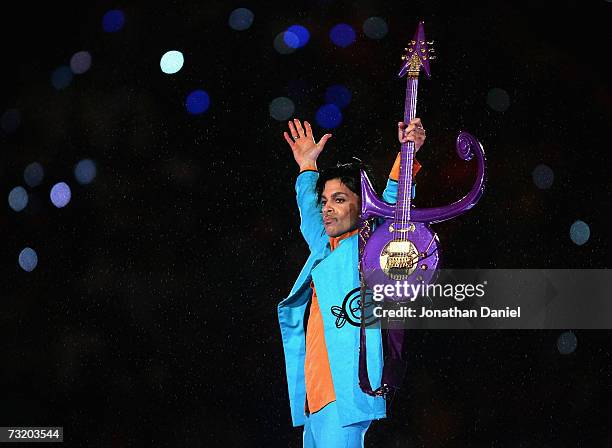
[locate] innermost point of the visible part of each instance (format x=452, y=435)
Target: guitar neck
x=404, y=191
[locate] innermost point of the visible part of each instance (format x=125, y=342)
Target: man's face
x=340, y=208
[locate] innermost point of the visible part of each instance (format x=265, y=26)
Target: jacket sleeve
x=311, y=222
x=390, y=193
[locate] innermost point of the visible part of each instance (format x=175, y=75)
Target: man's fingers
x=411, y=136
x=294, y=133
x=299, y=127
x=324, y=140
x=291, y=143
x=308, y=129
x=417, y=122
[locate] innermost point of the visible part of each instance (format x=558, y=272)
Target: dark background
x=151, y=317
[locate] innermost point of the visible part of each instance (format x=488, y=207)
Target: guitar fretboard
x=404, y=191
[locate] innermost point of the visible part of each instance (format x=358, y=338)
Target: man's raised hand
x=301, y=141
x=413, y=132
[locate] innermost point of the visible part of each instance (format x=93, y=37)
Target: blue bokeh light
x=342, y=35
x=60, y=194
x=498, y=99
x=280, y=45
x=329, y=116
x=375, y=28
x=18, y=198
x=171, y=62
x=291, y=39
x=241, y=19
x=281, y=108
x=302, y=34
x=113, y=21
x=580, y=232
x=567, y=343
x=33, y=174
x=61, y=77
x=80, y=62
x=197, y=102
x=28, y=260
x=338, y=95
x=85, y=171
x=543, y=176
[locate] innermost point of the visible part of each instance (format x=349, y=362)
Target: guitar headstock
x=418, y=54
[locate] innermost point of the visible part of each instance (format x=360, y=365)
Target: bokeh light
x=85, y=171
x=60, y=194
x=241, y=19
x=280, y=42
x=375, y=28
x=338, y=95
x=302, y=34
x=11, y=119
x=342, y=35
x=80, y=62
x=113, y=21
x=498, y=99
x=291, y=39
x=567, y=343
x=61, y=77
x=281, y=108
x=197, y=102
x=171, y=62
x=543, y=176
x=18, y=198
x=33, y=174
x=28, y=260
x=329, y=116
x=580, y=232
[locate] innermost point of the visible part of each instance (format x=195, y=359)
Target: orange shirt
x=395, y=171
x=317, y=373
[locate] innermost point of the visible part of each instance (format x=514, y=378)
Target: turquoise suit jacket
x=334, y=274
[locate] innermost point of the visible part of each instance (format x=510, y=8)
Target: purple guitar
x=403, y=248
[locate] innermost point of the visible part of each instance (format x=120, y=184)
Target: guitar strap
x=394, y=366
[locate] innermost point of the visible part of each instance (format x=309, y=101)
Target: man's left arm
x=390, y=193
x=413, y=132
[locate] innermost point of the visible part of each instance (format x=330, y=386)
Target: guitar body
x=408, y=257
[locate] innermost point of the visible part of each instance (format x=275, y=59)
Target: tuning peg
x=404, y=58
x=432, y=57
x=422, y=42
x=431, y=50
x=431, y=43
x=406, y=49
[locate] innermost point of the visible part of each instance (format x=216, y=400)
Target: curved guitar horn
x=467, y=147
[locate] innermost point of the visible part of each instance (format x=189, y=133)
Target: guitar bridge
x=399, y=259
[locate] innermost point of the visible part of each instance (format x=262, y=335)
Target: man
x=321, y=359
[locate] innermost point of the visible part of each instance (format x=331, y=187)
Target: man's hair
x=348, y=173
